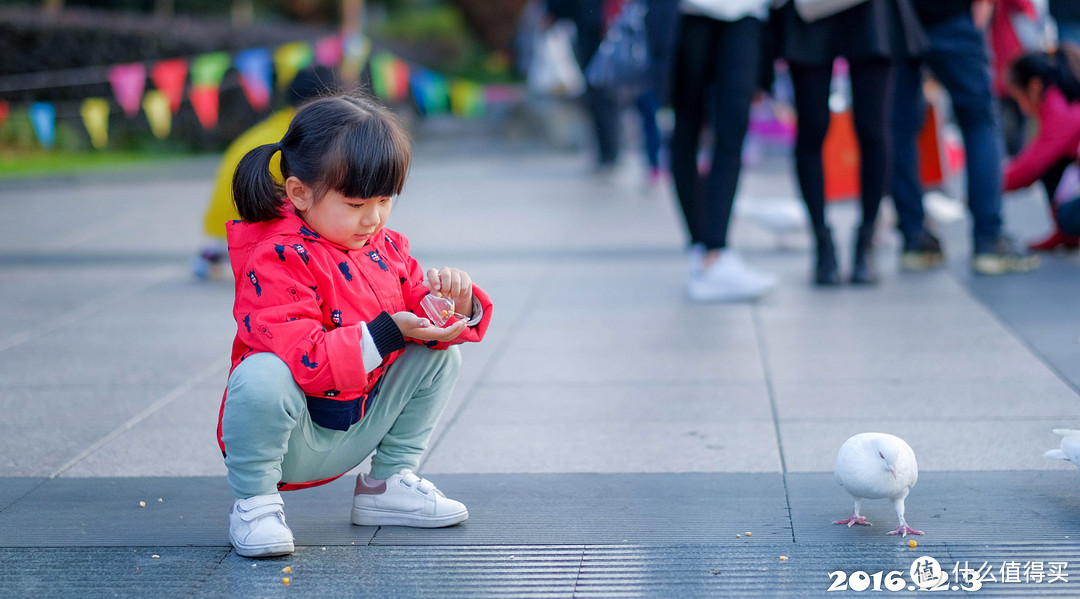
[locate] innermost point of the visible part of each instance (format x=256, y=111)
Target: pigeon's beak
x=892, y=469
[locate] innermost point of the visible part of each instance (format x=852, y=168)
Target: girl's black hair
x=346, y=143
x=1059, y=68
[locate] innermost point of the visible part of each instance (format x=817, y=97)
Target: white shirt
x=727, y=10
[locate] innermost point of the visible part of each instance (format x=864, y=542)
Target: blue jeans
x=1068, y=217
x=958, y=59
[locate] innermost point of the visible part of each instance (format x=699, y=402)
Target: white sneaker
x=404, y=500
x=695, y=260
x=257, y=527
x=729, y=279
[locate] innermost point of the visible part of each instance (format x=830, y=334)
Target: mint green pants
x=269, y=436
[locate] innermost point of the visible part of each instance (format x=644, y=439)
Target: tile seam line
x=157, y=277
x=470, y=394
x=214, y=368
x=1021, y=339
x=755, y=312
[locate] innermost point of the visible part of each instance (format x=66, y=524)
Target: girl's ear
x=299, y=194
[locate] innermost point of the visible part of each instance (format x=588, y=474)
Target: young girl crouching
x=333, y=357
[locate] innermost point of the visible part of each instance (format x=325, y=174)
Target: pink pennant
x=329, y=51
x=204, y=99
x=400, y=77
x=5, y=110
x=128, y=82
x=169, y=76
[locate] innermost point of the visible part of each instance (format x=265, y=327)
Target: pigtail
x=257, y=195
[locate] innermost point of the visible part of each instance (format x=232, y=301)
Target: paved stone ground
x=610, y=437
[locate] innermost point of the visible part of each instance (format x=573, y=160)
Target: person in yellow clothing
x=308, y=84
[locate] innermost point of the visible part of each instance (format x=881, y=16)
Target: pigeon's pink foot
x=903, y=530
x=853, y=520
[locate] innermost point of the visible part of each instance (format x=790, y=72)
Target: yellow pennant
x=95, y=115
x=158, y=112
x=290, y=59
x=466, y=98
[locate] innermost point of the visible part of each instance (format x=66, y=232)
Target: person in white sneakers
x=714, y=79
x=335, y=355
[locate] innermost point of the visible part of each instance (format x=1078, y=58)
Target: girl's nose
x=370, y=218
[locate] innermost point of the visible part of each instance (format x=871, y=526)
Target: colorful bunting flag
x=169, y=76
x=392, y=79
x=389, y=77
x=357, y=48
x=328, y=51
x=495, y=93
x=95, y=116
x=43, y=117
x=156, y=105
x=209, y=69
x=204, y=99
x=430, y=92
x=256, y=76
x=128, y=82
x=466, y=98
x=289, y=59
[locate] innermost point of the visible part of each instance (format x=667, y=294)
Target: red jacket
x=309, y=301
x=1057, y=140
x=1004, y=42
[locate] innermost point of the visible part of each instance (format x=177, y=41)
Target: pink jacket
x=1057, y=139
x=325, y=310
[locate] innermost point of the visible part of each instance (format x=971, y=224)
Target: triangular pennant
x=495, y=93
x=5, y=110
x=357, y=48
x=289, y=59
x=158, y=112
x=329, y=50
x=128, y=82
x=389, y=77
x=466, y=98
x=95, y=116
x=204, y=99
x=256, y=76
x=209, y=69
x=169, y=76
x=43, y=117
x=430, y=91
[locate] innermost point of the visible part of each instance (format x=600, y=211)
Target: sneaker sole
x=997, y=266
x=698, y=295
x=914, y=262
x=370, y=517
x=271, y=550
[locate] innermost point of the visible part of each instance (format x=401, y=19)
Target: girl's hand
x=416, y=327
x=454, y=284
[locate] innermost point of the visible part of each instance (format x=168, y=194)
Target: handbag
x=621, y=63
x=813, y=10
x=553, y=70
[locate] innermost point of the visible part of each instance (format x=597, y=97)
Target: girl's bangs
x=369, y=164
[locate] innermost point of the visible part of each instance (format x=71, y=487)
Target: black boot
x=862, y=268
x=826, y=272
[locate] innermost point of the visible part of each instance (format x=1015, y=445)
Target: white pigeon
x=877, y=466
x=1070, y=446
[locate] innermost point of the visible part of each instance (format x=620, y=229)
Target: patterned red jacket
x=325, y=310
